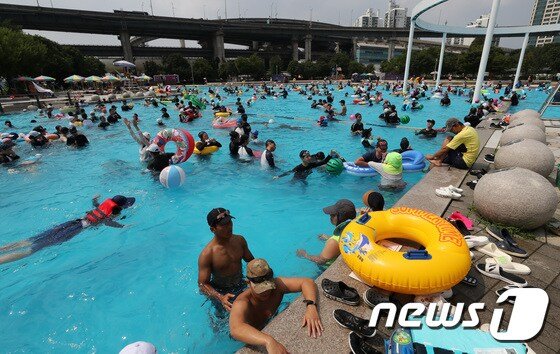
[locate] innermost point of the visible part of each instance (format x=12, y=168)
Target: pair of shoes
x=507, y=243
x=477, y=173
x=366, y=345
x=489, y=158
x=495, y=126
x=472, y=184
x=341, y=292
x=449, y=192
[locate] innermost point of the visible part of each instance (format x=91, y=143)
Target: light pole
x=225, y=9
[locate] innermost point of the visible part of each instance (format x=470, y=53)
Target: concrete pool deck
x=544, y=261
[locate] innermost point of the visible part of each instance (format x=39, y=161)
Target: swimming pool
x=109, y=287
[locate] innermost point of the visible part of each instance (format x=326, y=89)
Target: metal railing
x=549, y=100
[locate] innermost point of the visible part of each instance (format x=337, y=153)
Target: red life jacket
x=103, y=211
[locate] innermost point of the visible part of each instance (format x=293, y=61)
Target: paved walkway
x=544, y=261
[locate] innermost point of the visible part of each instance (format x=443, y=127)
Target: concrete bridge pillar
x=182, y=43
x=295, y=49
x=255, y=45
x=354, y=48
x=126, y=46
x=390, y=50
x=308, y=47
x=218, y=46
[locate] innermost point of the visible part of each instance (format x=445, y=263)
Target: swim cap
x=239, y=120
x=147, y=135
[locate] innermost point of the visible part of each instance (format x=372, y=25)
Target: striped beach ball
x=172, y=177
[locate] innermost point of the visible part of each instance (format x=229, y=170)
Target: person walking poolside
x=219, y=264
x=256, y=306
x=461, y=150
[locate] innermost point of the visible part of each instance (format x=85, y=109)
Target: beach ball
x=172, y=177
x=271, y=121
x=405, y=119
x=335, y=166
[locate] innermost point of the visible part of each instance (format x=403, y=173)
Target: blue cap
x=239, y=120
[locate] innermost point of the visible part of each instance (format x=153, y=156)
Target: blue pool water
x=108, y=287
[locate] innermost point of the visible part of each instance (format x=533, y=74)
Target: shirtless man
x=219, y=264
x=257, y=305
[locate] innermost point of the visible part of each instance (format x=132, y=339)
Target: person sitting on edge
x=428, y=132
x=267, y=158
x=391, y=171
x=461, y=150
x=257, y=305
x=358, y=126
x=307, y=165
x=377, y=155
x=220, y=274
x=205, y=141
x=103, y=213
x=473, y=118
x=341, y=213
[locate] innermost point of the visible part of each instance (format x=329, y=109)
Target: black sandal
x=353, y=323
x=341, y=292
x=373, y=298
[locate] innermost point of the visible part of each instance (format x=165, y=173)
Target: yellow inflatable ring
x=443, y=264
x=206, y=151
x=222, y=114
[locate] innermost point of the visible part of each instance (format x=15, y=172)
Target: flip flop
x=457, y=215
x=496, y=272
x=341, y=292
x=476, y=241
x=353, y=323
x=507, y=287
x=500, y=234
x=359, y=345
x=490, y=249
x=509, y=266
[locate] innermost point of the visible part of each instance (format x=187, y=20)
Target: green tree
x=177, y=64
x=341, y=60
x=152, y=68
x=203, y=69
x=275, y=65
x=355, y=67
x=258, y=67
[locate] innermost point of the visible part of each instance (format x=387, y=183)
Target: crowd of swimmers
x=253, y=298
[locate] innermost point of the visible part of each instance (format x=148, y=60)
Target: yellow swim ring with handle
x=222, y=114
x=206, y=151
x=443, y=264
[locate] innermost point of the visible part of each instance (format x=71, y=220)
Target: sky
x=455, y=12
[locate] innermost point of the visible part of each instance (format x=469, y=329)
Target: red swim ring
x=182, y=139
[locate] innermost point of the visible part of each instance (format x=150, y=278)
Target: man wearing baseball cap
x=461, y=150
x=103, y=213
x=429, y=132
x=257, y=305
x=341, y=213
x=220, y=274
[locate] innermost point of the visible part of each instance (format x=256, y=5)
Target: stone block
x=522, y=132
x=530, y=154
x=516, y=197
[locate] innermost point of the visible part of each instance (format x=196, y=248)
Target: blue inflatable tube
x=359, y=171
x=413, y=161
